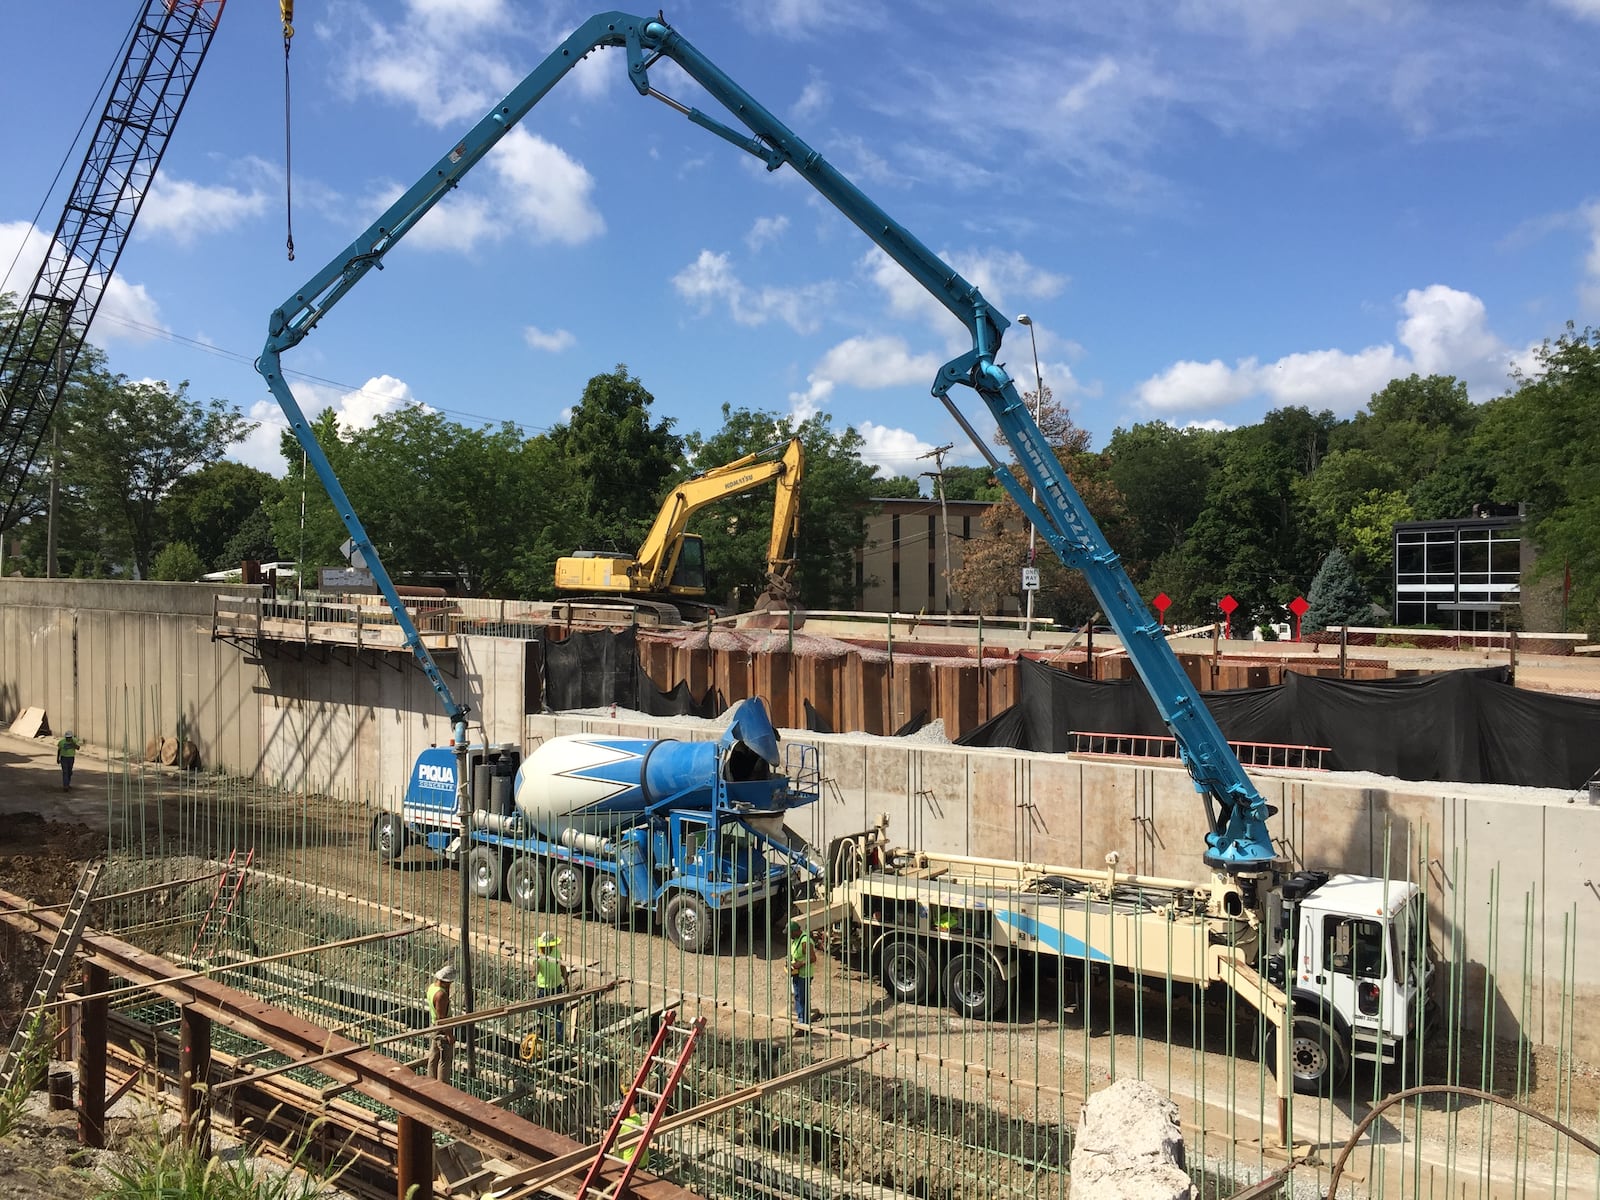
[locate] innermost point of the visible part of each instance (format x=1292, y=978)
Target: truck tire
x=388, y=836
x=487, y=871
x=907, y=971
x=568, y=889
x=687, y=923
x=525, y=883
x=1317, y=1056
x=974, y=987
x=605, y=898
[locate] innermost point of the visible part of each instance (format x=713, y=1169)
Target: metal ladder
x=229, y=876
x=52, y=972
x=657, y=1057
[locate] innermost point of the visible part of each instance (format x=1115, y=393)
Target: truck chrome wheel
x=567, y=886
x=688, y=923
x=485, y=867
x=973, y=986
x=606, y=898
x=388, y=836
x=907, y=973
x=525, y=883
x=1316, y=1056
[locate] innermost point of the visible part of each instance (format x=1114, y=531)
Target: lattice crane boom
x=164, y=52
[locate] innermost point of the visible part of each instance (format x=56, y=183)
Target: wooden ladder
x=52, y=973
x=670, y=1052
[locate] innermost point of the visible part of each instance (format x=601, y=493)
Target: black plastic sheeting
x=1460, y=726
x=597, y=668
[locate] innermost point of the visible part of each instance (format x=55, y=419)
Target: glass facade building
x=1463, y=574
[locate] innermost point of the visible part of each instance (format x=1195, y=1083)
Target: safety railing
x=1250, y=754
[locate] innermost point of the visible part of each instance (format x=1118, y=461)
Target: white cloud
x=1589, y=289
x=432, y=60
x=536, y=182
x=1589, y=10
x=127, y=312
x=1003, y=276
x=1442, y=331
x=547, y=188
x=356, y=409
x=765, y=229
x=892, y=451
x=814, y=99
x=555, y=341
x=877, y=362
x=711, y=279
x=185, y=210
x=807, y=18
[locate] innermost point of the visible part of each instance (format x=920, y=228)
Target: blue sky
x=1210, y=208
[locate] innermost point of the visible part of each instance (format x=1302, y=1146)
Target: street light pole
x=1038, y=398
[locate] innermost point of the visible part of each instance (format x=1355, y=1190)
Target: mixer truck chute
x=688, y=832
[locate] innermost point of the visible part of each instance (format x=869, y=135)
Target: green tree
x=1544, y=441
x=619, y=461
x=1337, y=596
x=209, y=508
x=177, y=561
x=971, y=483
x=896, y=487
x=1162, y=473
x=129, y=444
x=1415, y=424
x=1367, y=533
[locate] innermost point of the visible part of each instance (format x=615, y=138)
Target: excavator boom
x=669, y=562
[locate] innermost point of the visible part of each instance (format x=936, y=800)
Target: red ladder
x=229, y=876
x=654, y=1058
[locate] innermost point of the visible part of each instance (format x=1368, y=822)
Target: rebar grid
x=952, y=1106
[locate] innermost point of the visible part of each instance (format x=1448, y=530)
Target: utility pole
x=937, y=475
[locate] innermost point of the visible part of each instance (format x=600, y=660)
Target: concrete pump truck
x=1335, y=966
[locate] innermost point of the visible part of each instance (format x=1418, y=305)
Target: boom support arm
x=1239, y=840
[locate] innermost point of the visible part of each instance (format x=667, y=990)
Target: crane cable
x=286, y=10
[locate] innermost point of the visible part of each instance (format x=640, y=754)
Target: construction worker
x=441, y=1051
x=66, y=752
x=634, y=1123
x=550, y=978
x=802, y=965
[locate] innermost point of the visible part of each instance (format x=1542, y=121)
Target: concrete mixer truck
x=691, y=833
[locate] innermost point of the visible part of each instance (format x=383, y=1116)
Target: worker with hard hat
x=550, y=978
x=441, y=1051
x=802, y=965
x=66, y=751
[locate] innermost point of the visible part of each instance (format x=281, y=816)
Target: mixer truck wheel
x=605, y=897
x=388, y=836
x=907, y=971
x=486, y=870
x=567, y=886
x=688, y=923
x=525, y=883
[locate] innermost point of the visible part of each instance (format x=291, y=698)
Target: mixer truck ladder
x=51, y=973
x=658, y=1057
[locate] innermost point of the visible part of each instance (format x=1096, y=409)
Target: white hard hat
x=446, y=973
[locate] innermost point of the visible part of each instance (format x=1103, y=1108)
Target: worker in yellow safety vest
x=66, y=752
x=634, y=1123
x=550, y=978
x=441, y=1050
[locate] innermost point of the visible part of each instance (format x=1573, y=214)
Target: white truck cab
x=1361, y=972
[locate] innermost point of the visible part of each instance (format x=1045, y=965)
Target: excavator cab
x=689, y=572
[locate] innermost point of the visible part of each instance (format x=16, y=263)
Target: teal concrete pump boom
x=1238, y=840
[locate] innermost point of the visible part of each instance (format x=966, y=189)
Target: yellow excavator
x=667, y=578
